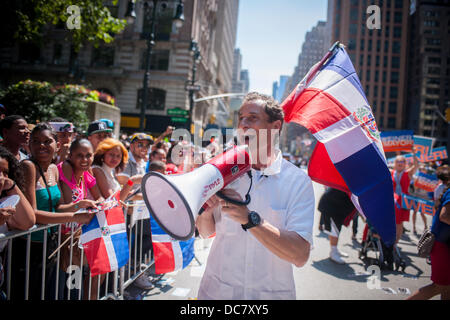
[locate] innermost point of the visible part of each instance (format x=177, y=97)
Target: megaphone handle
x=233, y=201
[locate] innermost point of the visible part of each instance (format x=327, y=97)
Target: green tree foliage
x=27, y=20
x=40, y=101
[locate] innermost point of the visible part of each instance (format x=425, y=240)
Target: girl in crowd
x=81, y=185
x=110, y=158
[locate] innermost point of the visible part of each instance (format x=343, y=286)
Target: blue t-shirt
x=440, y=229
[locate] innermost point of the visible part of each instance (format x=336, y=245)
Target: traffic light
x=447, y=114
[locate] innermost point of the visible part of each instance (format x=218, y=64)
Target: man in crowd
x=256, y=245
x=140, y=143
x=15, y=133
x=97, y=132
x=65, y=133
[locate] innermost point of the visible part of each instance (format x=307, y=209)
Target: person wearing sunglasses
x=140, y=144
x=401, y=178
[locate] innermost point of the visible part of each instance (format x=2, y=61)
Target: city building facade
x=118, y=68
x=429, y=69
x=375, y=34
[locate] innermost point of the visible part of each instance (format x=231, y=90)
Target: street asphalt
x=320, y=278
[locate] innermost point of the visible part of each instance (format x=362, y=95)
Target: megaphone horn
x=174, y=201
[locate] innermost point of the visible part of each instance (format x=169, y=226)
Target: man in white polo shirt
x=256, y=245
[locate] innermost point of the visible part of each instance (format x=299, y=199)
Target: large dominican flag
x=104, y=239
x=169, y=254
x=349, y=156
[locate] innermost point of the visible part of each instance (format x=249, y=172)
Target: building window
x=434, y=81
x=395, y=62
x=397, y=32
x=158, y=61
x=432, y=102
x=392, y=107
x=431, y=23
x=102, y=57
x=163, y=27
x=398, y=17
x=391, y=123
x=434, y=60
x=433, y=91
x=393, y=94
x=394, y=77
x=29, y=53
x=434, y=70
x=156, y=99
x=433, y=41
x=396, y=47
x=57, y=53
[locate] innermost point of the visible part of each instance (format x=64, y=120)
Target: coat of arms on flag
x=104, y=239
x=349, y=156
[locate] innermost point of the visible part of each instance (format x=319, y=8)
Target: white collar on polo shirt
x=274, y=168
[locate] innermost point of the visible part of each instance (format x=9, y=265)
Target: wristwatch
x=253, y=220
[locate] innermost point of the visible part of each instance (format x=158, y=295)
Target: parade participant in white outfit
x=256, y=245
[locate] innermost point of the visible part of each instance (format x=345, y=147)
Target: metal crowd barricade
x=78, y=283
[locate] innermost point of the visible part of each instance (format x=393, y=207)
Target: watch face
x=255, y=219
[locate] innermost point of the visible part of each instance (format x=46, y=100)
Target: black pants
x=18, y=272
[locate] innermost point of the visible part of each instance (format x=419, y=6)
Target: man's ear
x=277, y=124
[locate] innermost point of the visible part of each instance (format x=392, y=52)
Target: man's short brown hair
x=271, y=106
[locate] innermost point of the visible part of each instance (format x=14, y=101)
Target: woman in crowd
x=440, y=253
x=110, y=158
x=43, y=192
x=401, y=178
x=42, y=176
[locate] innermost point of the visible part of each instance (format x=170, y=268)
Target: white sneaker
x=335, y=257
x=144, y=283
x=343, y=254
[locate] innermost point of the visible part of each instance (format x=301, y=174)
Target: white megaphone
x=174, y=201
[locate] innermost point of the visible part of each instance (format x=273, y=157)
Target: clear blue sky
x=270, y=35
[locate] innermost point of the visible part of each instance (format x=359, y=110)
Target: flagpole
x=331, y=52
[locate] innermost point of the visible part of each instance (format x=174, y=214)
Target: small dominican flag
x=104, y=239
x=169, y=254
x=349, y=156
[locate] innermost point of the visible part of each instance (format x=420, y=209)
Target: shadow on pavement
x=341, y=271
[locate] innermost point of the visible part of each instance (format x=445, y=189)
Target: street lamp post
x=130, y=15
x=196, y=57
